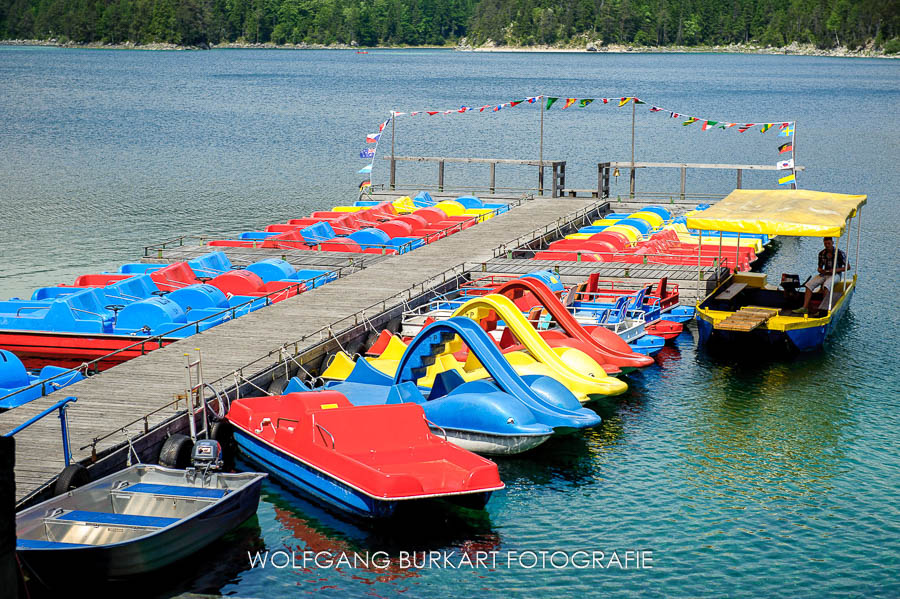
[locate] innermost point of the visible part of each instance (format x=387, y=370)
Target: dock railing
x=606, y=169
x=61, y=405
x=557, y=185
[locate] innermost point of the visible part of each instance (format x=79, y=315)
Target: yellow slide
x=342, y=364
x=581, y=382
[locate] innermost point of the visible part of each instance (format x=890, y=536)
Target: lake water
x=744, y=477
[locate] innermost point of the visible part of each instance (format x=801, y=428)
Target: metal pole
x=837, y=249
x=633, y=110
x=393, y=162
x=794, y=155
x=858, y=231
x=737, y=252
x=64, y=424
x=699, y=253
x=719, y=262
x=541, y=151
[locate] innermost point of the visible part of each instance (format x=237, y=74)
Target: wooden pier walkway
x=118, y=396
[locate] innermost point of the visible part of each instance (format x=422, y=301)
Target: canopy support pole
x=837, y=250
x=858, y=231
x=737, y=252
x=719, y=261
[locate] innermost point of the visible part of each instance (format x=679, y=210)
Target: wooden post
x=740, y=174
x=541, y=179
x=441, y=175
x=683, y=177
x=632, y=180
x=493, y=176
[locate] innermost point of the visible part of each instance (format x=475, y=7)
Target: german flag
x=786, y=147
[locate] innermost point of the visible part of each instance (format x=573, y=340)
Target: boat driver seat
x=793, y=290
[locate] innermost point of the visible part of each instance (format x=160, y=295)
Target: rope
x=333, y=336
x=254, y=385
x=368, y=322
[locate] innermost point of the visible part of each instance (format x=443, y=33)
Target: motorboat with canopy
x=745, y=307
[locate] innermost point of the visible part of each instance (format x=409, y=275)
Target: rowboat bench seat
x=40, y=544
x=731, y=291
x=174, y=491
x=106, y=518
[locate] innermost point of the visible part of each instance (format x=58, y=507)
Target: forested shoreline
x=823, y=24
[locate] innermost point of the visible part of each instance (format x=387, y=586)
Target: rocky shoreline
x=490, y=46
x=598, y=46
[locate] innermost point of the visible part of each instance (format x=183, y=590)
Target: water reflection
x=371, y=549
x=766, y=430
x=221, y=562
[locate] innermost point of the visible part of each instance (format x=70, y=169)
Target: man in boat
x=826, y=267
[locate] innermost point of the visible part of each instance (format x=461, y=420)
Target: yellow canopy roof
x=779, y=212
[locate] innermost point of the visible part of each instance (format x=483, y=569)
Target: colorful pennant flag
x=655, y=109
x=365, y=184
x=691, y=120
x=784, y=125
x=515, y=103
x=366, y=169
x=623, y=102
x=550, y=102
x=636, y=101
x=709, y=124
x=786, y=147
x=585, y=102
x=787, y=180
x=743, y=128
x=786, y=132
x=372, y=137
x=765, y=127
x=569, y=102
x=785, y=164
x=367, y=153
x=606, y=100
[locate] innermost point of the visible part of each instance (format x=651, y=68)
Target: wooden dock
x=126, y=392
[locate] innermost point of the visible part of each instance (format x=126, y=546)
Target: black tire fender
x=71, y=477
x=223, y=432
x=176, y=452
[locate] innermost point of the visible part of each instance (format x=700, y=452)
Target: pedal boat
x=131, y=522
x=744, y=309
x=365, y=460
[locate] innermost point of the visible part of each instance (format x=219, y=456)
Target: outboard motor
x=207, y=455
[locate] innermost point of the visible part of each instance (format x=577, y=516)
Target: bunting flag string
x=784, y=128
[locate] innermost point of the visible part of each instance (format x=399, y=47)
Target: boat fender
x=176, y=452
x=71, y=477
x=223, y=432
x=276, y=387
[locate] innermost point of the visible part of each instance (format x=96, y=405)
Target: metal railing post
x=64, y=426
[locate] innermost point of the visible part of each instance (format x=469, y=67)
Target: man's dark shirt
x=826, y=262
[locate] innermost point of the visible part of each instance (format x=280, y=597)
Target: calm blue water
x=743, y=477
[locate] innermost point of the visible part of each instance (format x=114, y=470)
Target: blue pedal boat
x=131, y=522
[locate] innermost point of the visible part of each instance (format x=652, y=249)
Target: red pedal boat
x=365, y=460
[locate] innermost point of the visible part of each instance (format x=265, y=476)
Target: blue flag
x=367, y=153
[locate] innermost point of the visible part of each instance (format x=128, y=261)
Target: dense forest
x=825, y=23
